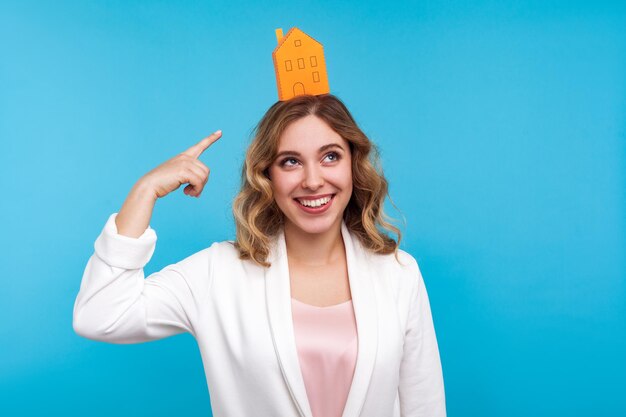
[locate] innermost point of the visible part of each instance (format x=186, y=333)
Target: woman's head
x=322, y=153
x=311, y=176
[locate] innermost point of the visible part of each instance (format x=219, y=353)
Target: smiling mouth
x=315, y=203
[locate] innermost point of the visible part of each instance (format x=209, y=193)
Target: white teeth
x=315, y=203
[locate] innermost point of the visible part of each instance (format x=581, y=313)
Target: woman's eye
x=288, y=161
x=334, y=155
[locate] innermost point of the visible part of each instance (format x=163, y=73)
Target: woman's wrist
x=143, y=191
x=134, y=216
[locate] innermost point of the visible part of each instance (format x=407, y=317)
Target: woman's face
x=312, y=175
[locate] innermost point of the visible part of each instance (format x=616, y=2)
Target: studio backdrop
x=501, y=129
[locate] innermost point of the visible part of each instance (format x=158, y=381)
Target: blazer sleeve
x=117, y=304
x=421, y=388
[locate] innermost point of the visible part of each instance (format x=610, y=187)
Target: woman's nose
x=313, y=178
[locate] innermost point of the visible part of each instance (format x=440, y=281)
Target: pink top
x=326, y=339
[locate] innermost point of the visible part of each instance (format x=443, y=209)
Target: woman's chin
x=313, y=226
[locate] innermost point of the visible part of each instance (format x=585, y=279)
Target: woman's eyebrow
x=320, y=150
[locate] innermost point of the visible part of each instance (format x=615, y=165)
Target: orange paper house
x=299, y=64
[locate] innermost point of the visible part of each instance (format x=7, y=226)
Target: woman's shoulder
x=218, y=251
x=224, y=247
x=401, y=267
x=400, y=259
x=224, y=250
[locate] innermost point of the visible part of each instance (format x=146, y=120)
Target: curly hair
x=257, y=216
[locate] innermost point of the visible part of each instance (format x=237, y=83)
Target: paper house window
x=288, y=65
x=300, y=63
x=313, y=61
x=297, y=42
x=316, y=76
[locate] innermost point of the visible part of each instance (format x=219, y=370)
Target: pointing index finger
x=196, y=150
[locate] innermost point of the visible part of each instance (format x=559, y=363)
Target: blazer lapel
x=366, y=315
x=278, y=297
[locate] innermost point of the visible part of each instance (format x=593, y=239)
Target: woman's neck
x=314, y=249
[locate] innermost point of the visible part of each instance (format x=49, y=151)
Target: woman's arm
x=421, y=387
x=136, y=212
x=115, y=303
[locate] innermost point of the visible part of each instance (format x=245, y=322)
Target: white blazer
x=240, y=315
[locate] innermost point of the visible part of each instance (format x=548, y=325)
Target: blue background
x=502, y=132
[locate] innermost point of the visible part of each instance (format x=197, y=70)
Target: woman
x=312, y=311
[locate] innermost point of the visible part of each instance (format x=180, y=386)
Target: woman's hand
x=134, y=216
x=184, y=168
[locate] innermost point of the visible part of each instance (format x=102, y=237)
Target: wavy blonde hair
x=257, y=216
